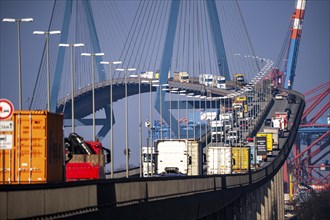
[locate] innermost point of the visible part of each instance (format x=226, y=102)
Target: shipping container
x=36, y=154
x=218, y=160
x=241, y=159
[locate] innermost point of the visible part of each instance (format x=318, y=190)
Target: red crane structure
x=310, y=166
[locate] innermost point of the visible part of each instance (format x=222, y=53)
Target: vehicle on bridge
x=239, y=80
x=180, y=154
x=181, y=77
x=206, y=79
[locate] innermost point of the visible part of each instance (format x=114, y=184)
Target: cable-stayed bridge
x=164, y=37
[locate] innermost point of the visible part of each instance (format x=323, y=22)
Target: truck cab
x=220, y=82
x=148, y=165
x=206, y=79
x=181, y=77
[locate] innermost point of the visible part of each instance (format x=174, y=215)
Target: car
x=278, y=97
x=291, y=98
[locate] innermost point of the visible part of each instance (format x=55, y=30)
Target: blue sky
x=267, y=23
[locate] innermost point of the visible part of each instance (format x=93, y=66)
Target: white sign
x=6, y=126
x=6, y=141
x=6, y=109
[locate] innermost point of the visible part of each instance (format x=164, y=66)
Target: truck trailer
x=180, y=156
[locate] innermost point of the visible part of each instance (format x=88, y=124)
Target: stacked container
x=35, y=153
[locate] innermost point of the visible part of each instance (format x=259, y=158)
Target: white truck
x=220, y=82
x=181, y=77
x=148, y=166
x=218, y=160
x=148, y=75
x=180, y=155
x=217, y=130
x=206, y=79
x=209, y=114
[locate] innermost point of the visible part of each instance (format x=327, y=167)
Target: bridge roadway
x=255, y=195
x=83, y=97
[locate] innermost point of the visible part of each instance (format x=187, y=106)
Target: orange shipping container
x=37, y=153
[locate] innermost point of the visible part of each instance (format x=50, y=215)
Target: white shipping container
x=219, y=160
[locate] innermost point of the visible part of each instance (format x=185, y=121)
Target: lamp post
x=189, y=95
x=140, y=123
x=47, y=33
x=161, y=107
x=179, y=127
x=18, y=21
x=72, y=79
x=92, y=55
x=173, y=90
x=111, y=113
x=126, y=113
x=195, y=96
x=200, y=124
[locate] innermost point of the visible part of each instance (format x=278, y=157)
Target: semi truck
x=239, y=80
x=181, y=77
x=148, y=75
x=280, y=120
x=275, y=132
x=218, y=160
x=206, y=79
x=179, y=156
x=148, y=165
x=269, y=141
x=240, y=159
x=220, y=82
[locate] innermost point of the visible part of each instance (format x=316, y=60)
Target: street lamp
x=47, y=33
x=189, y=95
x=18, y=21
x=173, y=90
x=161, y=107
x=200, y=124
x=92, y=55
x=195, y=96
x=179, y=127
x=111, y=113
x=72, y=79
x=126, y=111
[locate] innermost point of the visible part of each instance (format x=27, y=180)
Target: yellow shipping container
x=241, y=159
x=36, y=154
x=269, y=141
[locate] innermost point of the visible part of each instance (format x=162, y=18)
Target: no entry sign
x=6, y=109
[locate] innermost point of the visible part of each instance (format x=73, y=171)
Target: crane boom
x=298, y=18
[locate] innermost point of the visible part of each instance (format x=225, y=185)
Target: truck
x=181, y=77
x=217, y=130
x=209, y=114
x=148, y=165
x=239, y=80
x=280, y=120
x=148, y=75
x=240, y=159
x=218, y=160
x=180, y=156
x=275, y=132
x=85, y=159
x=220, y=82
x=269, y=141
x=206, y=79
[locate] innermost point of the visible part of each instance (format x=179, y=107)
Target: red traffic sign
x=6, y=109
